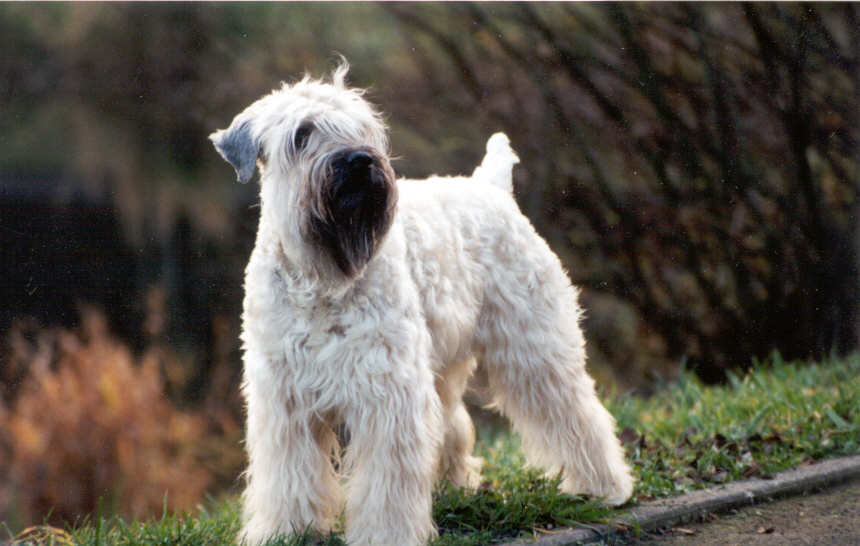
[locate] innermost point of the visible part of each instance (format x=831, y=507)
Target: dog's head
x=327, y=187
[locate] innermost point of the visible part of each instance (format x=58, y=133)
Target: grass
x=779, y=415
x=214, y=525
x=512, y=501
x=688, y=436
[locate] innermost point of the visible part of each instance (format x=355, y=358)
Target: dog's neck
x=304, y=277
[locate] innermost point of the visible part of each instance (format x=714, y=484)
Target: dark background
x=694, y=165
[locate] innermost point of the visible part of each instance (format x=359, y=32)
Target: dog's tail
x=497, y=167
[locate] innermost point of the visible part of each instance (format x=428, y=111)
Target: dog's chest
x=313, y=344
x=313, y=340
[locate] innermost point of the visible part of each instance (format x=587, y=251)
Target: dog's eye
x=301, y=136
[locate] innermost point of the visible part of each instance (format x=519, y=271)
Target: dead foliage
x=89, y=421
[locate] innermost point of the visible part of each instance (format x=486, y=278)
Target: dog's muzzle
x=356, y=182
x=358, y=200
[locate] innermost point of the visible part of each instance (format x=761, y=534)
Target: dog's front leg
x=392, y=461
x=291, y=481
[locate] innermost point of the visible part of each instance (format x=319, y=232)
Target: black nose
x=359, y=158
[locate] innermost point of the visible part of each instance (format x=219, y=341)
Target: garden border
x=655, y=514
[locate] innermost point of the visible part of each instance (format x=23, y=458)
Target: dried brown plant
x=90, y=422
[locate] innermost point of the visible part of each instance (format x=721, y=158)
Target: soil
x=830, y=517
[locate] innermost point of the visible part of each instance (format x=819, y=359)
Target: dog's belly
x=451, y=319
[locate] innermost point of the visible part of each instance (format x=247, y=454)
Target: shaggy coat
x=369, y=302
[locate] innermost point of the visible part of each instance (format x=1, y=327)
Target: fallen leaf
x=774, y=438
x=44, y=534
x=765, y=530
x=683, y=531
x=630, y=437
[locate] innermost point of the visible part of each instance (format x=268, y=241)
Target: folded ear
x=237, y=146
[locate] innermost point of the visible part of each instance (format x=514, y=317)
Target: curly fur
x=376, y=320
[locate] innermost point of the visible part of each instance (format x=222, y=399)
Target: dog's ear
x=237, y=146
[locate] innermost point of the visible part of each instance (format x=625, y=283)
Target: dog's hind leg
x=456, y=462
x=534, y=353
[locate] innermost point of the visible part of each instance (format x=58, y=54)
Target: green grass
x=687, y=436
x=513, y=500
x=217, y=524
x=777, y=416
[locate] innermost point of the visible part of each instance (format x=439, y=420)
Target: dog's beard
x=357, y=201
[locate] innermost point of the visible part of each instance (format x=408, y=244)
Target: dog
x=369, y=301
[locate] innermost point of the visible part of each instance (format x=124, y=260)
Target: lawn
x=687, y=436
x=779, y=415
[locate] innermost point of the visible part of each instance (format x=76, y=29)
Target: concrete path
x=678, y=512
x=827, y=518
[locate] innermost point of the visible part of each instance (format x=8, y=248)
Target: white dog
x=369, y=301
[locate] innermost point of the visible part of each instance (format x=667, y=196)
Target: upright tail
x=497, y=166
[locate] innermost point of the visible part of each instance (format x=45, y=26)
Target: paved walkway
x=827, y=518
x=826, y=494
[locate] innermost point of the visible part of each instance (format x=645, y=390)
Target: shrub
x=91, y=422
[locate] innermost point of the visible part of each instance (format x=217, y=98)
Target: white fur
x=461, y=277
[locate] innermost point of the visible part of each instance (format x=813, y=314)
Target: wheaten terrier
x=368, y=302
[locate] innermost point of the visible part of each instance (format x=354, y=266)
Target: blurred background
x=695, y=166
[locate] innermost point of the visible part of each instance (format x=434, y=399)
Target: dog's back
x=465, y=240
